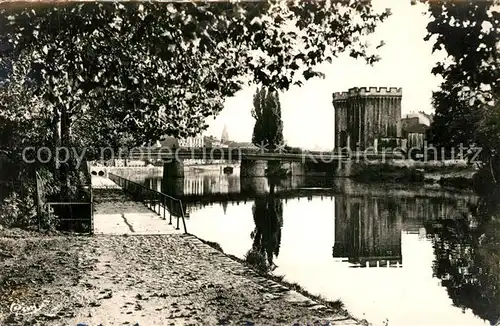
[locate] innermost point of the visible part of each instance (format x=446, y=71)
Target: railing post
x=170, y=212
x=158, y=195
x=182, y=214
x=155, y=196
x=39, y=216
x=177, y=228
x=50, y=212
x=91, y=217
x=71, y=224
x=150, y=200
x=164, y=209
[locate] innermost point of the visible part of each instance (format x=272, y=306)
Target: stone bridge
x=254, y=163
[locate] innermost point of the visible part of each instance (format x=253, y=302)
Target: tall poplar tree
x=268, y=129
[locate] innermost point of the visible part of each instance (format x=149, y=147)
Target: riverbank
x=335, y=305
x=150, y=280
x=454, y=174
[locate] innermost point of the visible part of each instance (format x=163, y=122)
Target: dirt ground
x=140, y=280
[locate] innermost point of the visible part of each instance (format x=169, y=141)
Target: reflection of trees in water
x=268, y=217
x=468, y=259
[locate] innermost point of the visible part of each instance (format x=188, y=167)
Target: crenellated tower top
x=367, y=91
x=375, y=91
x=340, y=96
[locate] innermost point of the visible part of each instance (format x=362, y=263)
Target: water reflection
x=468, y=259
x=198, y=190
x=368, y=228
x=446, y=244
x=199, y=184
x=267, y=212
x=368, y=231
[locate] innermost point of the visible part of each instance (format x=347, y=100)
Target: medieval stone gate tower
x=365, y=115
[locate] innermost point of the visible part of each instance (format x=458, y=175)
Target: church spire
x=225, y=137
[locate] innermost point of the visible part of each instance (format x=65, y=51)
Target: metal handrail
x=152, y=199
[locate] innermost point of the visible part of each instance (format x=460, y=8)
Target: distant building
x=169, y=142
x=363, y=116
x=215, y=143
x=413, y=128
x=423, y=118
x=192, y=142
x=210, y=141
x=246, y=145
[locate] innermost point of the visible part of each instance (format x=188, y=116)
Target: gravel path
x=130, y=279
x=146, y=280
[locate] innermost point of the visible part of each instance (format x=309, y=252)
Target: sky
x=307, y=111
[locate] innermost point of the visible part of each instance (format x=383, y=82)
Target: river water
x=392, y=254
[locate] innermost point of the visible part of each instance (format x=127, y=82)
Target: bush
x=19, y=207
x=483, y=183
x=257, y=260
x=18, y=211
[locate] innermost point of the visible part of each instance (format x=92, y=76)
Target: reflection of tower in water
x=368, y=231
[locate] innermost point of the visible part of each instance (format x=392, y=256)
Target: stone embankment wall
x=128, y=172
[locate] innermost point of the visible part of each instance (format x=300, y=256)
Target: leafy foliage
x=111, y=74
x=23, y=123
x=467, y=105
x=143, y=70
x=18, y=209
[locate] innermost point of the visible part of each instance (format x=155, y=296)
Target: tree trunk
x=56, y=120
x=493, y=168
x=68, y=166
